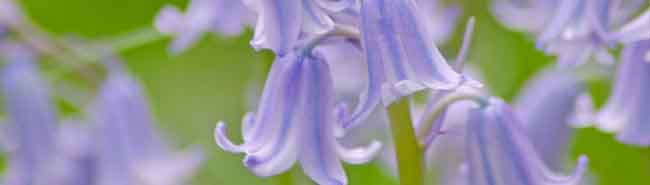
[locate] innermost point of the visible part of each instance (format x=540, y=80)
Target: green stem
x=409, y=154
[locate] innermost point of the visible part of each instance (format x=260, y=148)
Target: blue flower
x=296, y=121
x=574, y=30
x=625, y=110
x=227, y=17
x=546, y=106
x=400, y=57
x=31, y=116
x=281, y=23
x=130, y=151
x=499, y=151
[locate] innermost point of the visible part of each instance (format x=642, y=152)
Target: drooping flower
x=31, y=117
x=400, y=58
x=130, y=151
x=574, y=30
x=227, y=17
x=499, y=151
x=546, y=106
x=281, y=23
x=625, y=111
x=296, y=121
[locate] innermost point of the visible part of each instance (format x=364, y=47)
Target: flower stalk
x=410, y=158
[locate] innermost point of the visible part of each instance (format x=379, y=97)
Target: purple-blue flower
x=281, y=23
x=31, y=117
x=546, y=106
x=626, y=110
x=227, y=17
x=576, y=31
x=129, y=149
x=400, y=57
x=499, y=151
x=296, y=121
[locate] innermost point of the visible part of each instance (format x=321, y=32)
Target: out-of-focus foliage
x=191, y=91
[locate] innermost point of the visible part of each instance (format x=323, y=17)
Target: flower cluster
x=299, y=119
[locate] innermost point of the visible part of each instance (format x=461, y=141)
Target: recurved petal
x=359, y=155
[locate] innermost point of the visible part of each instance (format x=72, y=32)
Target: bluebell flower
x=227, y=17
x=499, y=151
x=573, y=30
x=281, y=23
x=400, y=57
x=31, y=118
x=296, y=121
x=625, y=110
x=546, y=106
x=129, y=149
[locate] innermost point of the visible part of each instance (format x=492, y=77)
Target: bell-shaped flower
x=130, y=151
x=281, y=23
x=546, y=106
x=499, y=151
x=296, y=120
x=625, y=110
x=400, y=56
x=573, y=30
x=227, y=17
x=31, y=117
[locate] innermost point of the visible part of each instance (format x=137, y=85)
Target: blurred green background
x=192, y=91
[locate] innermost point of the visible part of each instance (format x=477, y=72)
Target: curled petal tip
x=222, y=140
x=360, y=155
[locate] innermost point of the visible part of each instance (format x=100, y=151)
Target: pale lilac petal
x=500, y=153
x=335, y=5
x=439, y=21
x=624, y=112
x=624, y=104
x=316, y=20
x=168, y=20
x=530, y=16
x=564, y=14
x=278, y=25
x=31, y=118
x=636, y=30
x=169, y=170
x=318, y=157
x=359, y=155
x=546, y=105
